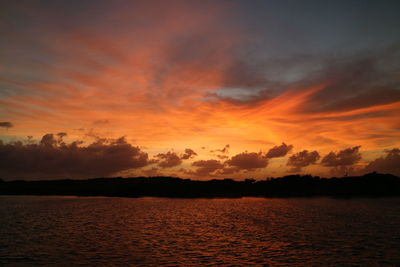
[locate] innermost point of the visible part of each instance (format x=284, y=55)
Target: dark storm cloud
x=168, y=160
x=244, y=74
x=358, y=81
x=206, y=167
x=346, y=157
x=6, y=124
x=248, y=161
x=53, y=158
x=279, y=151
x=189, y=153
x=285, y=73
x=249, y=75
x=302, y=159
x=353, y=80
x=373, y=97
x=388, y=164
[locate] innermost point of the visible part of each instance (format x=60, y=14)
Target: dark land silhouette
x=369, y=185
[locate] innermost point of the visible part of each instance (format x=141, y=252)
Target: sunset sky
x=199, y=89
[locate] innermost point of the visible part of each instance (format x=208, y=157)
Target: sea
x=105, y=231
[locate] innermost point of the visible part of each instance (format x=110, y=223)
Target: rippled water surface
x=67, y=231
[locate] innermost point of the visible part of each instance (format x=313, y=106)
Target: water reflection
x=154, y=231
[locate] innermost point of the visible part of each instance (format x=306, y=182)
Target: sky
x=199, y=89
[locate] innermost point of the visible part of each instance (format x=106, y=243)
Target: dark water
x=68, y=231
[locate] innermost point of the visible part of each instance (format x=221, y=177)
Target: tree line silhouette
x=369, y=185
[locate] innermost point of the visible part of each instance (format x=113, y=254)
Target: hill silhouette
x=369, y=185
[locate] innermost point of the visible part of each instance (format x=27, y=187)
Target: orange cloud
x=185, y=79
